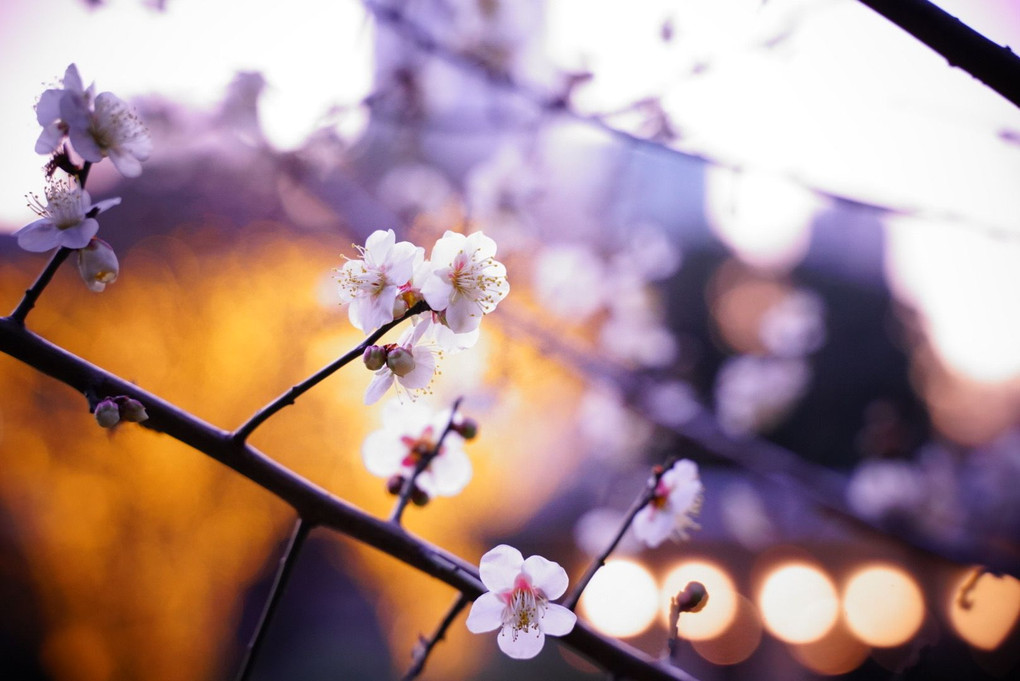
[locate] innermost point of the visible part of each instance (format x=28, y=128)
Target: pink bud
x=133, y=410
x=400, y=361
x=374, y=357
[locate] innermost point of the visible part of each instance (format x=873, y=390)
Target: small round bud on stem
x=394, y=484
x=132, y=410
x=400, y=361
x=418, y=496
x=693, y=598
x=107, y=413
x=399, y=307
x=374, y=357
x=467, y=428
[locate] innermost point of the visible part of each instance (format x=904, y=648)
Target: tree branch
x=421, y=654
x=287, y=562
x=407, y=489
x=963, y=47
x=289, y=397
x=314, y=504
x=33, y=292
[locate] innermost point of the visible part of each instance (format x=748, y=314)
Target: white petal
x=39, y=236
x=437, y=290
x=447, y=248
x=104, y=205
x=48, y=109
x=486, y=614
x=547, y=576
x=525, y=646
x=652, y=526
x=558, y=621
x=451, y=470
x=378, y=386
x=125, y=163
x=84, y=143
x=463, y=315
x=424, y=369
x=482, y=246
x=382, y=453
x=499, y=568
x=80, y=235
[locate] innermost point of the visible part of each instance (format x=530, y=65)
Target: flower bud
x=374, y=357
x=418, y=496
x=400, y=361
x=394, y=484
x=692, y=599
x=467, y=428
x=97, y=264
x=107, y=413
x=132, y=410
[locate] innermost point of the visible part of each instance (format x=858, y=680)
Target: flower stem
x=575, y=594
x=421, y=653
x=33, y=292
x=287, y=562
x=421, y=465
x=639, y=503
x=289, y=397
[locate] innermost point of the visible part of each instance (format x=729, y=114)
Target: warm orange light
x=798, y=602
x=883, y=605
x=621, y=599
x=718, y=612
x=984, y=608
x=738, y=642
x=838, y=652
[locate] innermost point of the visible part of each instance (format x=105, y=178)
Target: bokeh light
x=721, y=608
x=883, y=605
x=837, y=652
x=622, y=599
x=984, y=608
x=798, y=602
x=738, y=642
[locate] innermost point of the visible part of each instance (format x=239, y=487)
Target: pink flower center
x=418, y=448
x=524, y=607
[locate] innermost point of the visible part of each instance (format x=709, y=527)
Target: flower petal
x=80, y=235
x=451, y=470
x=463, y=315
x=499, y=567
x=486, y=614
x=558, y=621
x=39, y=236
x=546, y=575
x=522, y=646
x=378, y=386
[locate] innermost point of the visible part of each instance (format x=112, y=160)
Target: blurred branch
x=314, y=504
x=646, y=496
x=421, y=653
x=963, y=47
x=423, y=462
x=288, y=398
x=287, y=562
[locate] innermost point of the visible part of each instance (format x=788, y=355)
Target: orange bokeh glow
x=798, y=602
x=721, y=608
x=984, y=608
x=883, y=605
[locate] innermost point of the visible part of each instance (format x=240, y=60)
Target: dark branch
x=421, y=653
x=289, y=397
x=35, y=290
x=314, y=504
x=963, y=47
x=287, y=562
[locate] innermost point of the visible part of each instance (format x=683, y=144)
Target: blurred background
x=779, y=238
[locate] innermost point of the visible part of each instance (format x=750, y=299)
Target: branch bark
x=315, y=505
x=963, y=47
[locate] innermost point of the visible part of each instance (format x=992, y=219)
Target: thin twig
x=421, y=653
x=646, y=496
x=35, y=290
x=673, y=645
x=289, y=397
x=408, y=487
x=287, y=562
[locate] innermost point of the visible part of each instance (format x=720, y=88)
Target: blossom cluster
x=460, y=283
x=95, y=127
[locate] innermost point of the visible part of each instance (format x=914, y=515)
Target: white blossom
x=111, y=129
x=465, y=281
x=67, y=220
x=675, y=501
x=48, y=109
x=518, y=601
x=372, y=284
x=410, y=431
